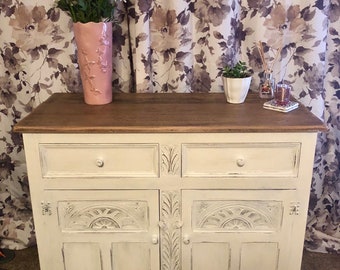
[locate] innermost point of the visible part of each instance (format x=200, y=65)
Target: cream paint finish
x=197, y=201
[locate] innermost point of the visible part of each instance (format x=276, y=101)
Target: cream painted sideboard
x=169, y=182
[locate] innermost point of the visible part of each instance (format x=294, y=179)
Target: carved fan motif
x=237, y=215
x=104, y=223
x=104, y=216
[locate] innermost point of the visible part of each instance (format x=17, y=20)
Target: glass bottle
x=267, y=85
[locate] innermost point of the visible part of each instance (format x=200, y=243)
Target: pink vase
x=94, y=44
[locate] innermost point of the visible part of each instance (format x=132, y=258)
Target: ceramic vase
x=94, y=45
x=236, y=89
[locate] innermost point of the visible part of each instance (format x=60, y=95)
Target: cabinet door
x=100, y=230
x=237, y=230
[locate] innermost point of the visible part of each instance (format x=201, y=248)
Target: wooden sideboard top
x=164, y=113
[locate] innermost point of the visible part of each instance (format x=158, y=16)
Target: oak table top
x=164, y=113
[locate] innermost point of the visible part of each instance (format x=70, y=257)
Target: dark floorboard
x=27, y=259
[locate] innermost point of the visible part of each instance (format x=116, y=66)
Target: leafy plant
x=240, y=70
x=85, y=11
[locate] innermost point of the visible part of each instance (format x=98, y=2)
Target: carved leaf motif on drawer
x=103, y=216
x=226, y=216
x=170, y=159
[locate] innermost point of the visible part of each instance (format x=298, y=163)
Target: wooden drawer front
x=99, y=160
x=241, y=160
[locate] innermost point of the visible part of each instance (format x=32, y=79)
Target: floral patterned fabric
x=174, y=46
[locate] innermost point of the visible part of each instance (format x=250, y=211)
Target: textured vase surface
x=94, y=44
x=236, y=89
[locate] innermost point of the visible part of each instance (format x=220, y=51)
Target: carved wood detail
x=170, y=159
x=104, y=216
x=294, y=208
x=237, y=215
x=46, y=208
x=170, y=224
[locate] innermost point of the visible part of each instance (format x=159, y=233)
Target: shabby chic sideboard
x=169, y=181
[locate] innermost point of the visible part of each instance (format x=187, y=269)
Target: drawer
x=99, y=160
x=240, y=160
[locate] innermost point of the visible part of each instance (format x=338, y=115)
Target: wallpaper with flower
x=170, y=47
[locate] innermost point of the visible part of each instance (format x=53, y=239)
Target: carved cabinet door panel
x=237, y=229
x=100, y=230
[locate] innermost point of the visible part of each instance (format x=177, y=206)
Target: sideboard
x=169, y=182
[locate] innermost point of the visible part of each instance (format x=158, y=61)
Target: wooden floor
x=27, y=259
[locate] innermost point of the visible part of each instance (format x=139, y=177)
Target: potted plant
x=92, y=26
x=236, y=82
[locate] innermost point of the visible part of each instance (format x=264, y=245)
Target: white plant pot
x=236, y=89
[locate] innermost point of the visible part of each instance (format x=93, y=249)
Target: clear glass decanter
x=267, y=85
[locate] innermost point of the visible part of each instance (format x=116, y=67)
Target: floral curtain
x=174, y=46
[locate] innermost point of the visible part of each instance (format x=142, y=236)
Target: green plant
x=85, y=11
x=240, y=70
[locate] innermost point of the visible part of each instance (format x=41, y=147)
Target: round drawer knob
x=240, y=162
x=186, y=239
x=154, y=239
x=100, y=163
